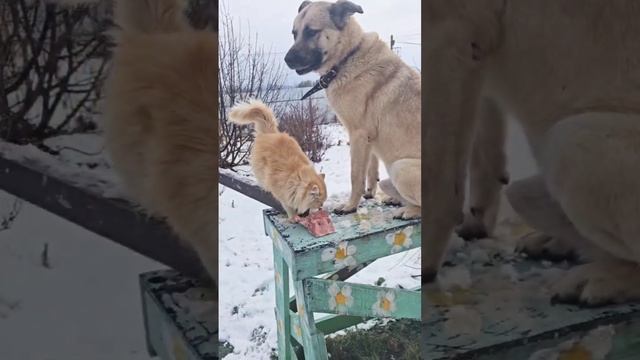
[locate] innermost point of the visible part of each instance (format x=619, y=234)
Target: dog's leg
x=590, y=164
x=392, y=196
x=452, y=73
x=556, y=237
x=360, y=151
x=487, y=173
x=372, y=176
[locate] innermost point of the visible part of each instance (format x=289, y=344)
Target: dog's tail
x=257, y=112
x=151, y=16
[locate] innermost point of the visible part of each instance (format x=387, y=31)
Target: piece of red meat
x=318, y=223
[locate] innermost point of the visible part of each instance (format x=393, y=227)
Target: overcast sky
x=273, y=21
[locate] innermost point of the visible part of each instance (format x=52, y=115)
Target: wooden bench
x=360, y=238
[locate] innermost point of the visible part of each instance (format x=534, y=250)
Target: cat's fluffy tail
x=256, y=112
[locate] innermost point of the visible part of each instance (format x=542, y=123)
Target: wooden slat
x=406, y=303
x=234, y=181
x=115, y=220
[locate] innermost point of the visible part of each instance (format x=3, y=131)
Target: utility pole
x=392, y=42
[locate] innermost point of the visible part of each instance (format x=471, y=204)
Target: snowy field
x=85, y=305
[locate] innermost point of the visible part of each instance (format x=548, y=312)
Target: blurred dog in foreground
x=160, y=119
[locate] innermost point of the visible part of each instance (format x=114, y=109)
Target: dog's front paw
x=408, y=212
x=345, y=209
x=472, y=228
x=390, y=201
x=539, y=246
x=369, y=194
x=598, y=284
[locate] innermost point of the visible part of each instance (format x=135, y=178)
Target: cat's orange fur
x=278, y=162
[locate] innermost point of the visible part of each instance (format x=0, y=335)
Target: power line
x=408, y=43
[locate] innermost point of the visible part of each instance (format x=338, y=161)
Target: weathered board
x=180, y=317
x=115, y=219
x=505, y=312
x=339, y=297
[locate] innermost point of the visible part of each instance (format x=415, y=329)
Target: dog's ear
x=341, y=11
x=303, y=5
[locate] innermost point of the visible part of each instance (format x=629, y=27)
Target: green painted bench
x=316, y=267
x=180, y=316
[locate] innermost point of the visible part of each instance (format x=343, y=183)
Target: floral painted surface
x=385, y=305
x=400, y=240
x=340, y=299
x=342, y=255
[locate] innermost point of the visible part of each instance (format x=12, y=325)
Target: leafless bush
x=303, y=120
x=247, y=70
x=51, y=70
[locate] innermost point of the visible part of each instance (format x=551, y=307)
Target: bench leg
x=315, y=347
x=282, y=306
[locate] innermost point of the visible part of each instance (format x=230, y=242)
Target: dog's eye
x=309, y=33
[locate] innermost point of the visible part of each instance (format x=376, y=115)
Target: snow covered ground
x=85, y=305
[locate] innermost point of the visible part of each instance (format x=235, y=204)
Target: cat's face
x=312, y=192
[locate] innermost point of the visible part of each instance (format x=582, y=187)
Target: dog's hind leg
x=372, y=176
x=591, y=166
x=487, y=173
x=556, y=238
x=404, y=184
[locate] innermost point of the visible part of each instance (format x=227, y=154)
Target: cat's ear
x=315, y=191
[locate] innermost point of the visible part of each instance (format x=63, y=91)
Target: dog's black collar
x=326, y=79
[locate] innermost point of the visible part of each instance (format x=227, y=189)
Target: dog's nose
x=291, y=58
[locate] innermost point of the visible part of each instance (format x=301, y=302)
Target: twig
x=44, y=257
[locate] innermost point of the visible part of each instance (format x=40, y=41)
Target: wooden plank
x=176, y=327
x=115, y=220
x=506, y=312
x=248, y=187
x=337, y=297
x=283, y=319
x=332, y=323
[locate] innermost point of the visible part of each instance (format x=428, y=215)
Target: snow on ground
x=85, y=306
x=82, y=161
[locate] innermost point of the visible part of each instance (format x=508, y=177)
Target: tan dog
x=278, y=162
x=569, y=72
x=160, y=119
x=374, y=93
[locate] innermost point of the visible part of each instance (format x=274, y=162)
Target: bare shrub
x=51, y=67
x=303, y=120
x=246, y=70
